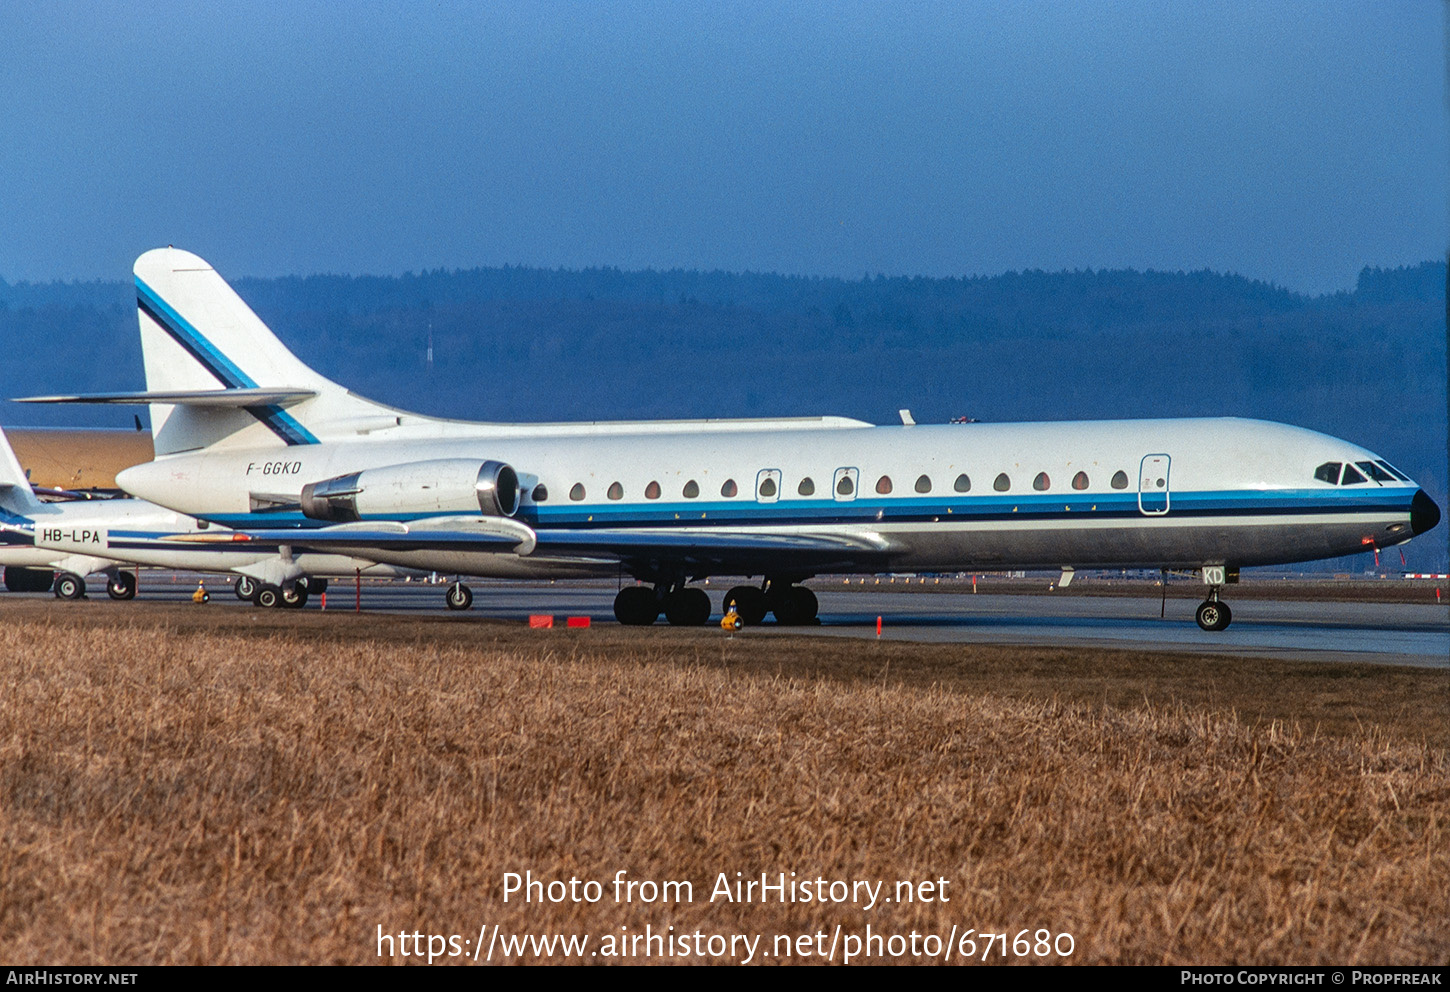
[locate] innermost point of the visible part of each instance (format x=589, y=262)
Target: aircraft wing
x=722, y=550
x=485, y=534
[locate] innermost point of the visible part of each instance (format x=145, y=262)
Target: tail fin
x=16, y=496
x=198, y=335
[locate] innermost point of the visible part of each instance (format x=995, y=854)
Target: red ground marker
x=577, y=622
x=538, y=622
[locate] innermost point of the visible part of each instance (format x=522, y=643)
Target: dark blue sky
x=1292, y=142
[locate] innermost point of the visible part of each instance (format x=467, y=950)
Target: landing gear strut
x=1213, y=614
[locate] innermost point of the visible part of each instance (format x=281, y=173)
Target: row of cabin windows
x=1379, y=471
x=845, y=486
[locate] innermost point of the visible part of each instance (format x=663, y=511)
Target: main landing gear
x=640, y=606
x=69, y=585
x=1214, y=614
x=290, y=595
x=122, y=585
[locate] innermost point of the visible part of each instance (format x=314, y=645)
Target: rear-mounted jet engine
x=447, y=485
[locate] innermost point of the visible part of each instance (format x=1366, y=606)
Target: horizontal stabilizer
x=219, y=398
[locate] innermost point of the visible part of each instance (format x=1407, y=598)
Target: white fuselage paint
x=1236, y=492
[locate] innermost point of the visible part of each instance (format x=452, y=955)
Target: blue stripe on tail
x=281, y=423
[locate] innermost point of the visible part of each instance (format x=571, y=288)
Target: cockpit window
x=1375, y=472
x=1351, y=477
x=1329, y=472
x=1392, y=470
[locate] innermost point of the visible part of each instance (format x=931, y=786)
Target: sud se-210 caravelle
x=248, y=437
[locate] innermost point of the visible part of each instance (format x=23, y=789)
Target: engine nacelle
x=445, y=485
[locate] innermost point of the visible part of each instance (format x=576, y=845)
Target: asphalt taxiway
x=1379, y=633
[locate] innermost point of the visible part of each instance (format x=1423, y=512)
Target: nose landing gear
x=1214, y=614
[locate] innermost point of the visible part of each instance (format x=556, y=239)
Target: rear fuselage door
x=1153, y=488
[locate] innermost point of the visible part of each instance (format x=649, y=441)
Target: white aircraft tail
x=225, y=378
x=16, y=496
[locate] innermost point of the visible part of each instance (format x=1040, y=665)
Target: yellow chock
x=201, y=595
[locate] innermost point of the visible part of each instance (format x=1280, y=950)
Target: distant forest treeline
x=517, y=343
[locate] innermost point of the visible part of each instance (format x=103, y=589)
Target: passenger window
x=616, y=491
x=541, y=493
x=767, y=487
x=845, y=487
x=1351, y=477
x=923, y=485
x=963, y=484
x=652, y=491
x=883, y=485
x=577, y=493
x=692, y=489
x=1120, y=480
x=1002, y=483
x=1329, y=472
x=1080, y=481
x=806, y=488
x=729, y=489
x=1042, y=482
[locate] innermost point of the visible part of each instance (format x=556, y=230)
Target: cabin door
x=1153, y=487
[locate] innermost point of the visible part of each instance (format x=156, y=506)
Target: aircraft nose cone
x=1424, y=514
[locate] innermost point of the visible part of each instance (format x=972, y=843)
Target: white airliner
x=249, y=437
x=63, y=542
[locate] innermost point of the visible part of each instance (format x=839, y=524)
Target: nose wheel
x=459, y=596
x=1213, y=615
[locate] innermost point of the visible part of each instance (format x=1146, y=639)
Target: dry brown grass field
x=197, y=785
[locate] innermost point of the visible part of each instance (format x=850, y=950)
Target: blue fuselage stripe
x=867, y=512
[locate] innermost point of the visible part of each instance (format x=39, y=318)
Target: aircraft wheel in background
x=636, y=606
x=246, y=587
x=295, y=596
x=459, y=596
x=749, y=604
x=68, y=585
x=123, y=586
x=687, y=607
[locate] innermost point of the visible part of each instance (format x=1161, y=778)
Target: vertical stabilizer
x=198, y=334
x=16, y=496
